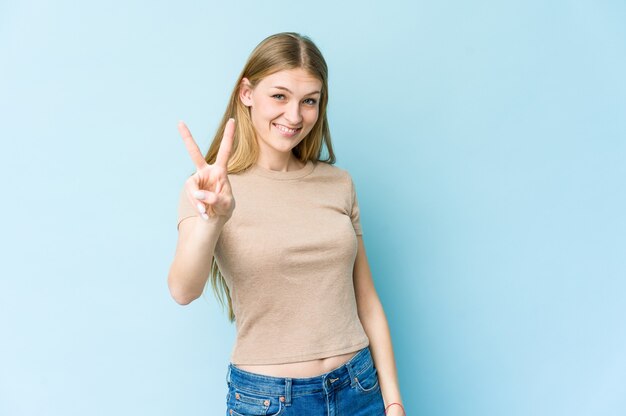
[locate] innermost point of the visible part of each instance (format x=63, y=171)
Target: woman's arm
x=374, y=322
x=192, y=261
x=198, y=231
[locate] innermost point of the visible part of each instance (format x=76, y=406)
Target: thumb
x=207, y=197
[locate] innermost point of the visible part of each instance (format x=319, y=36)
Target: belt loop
x=287, y=391
x=228, y=375
x=351, y=371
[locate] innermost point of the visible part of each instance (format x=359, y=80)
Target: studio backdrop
x=486, y=140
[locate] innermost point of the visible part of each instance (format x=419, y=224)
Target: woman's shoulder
x=328, y=169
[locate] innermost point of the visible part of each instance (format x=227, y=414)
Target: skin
x=294, y=104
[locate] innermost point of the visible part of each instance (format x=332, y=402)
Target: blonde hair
x=282, y=51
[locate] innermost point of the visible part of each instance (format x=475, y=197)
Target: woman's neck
x=280, y=163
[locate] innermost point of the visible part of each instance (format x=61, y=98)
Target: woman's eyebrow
x=289, y=91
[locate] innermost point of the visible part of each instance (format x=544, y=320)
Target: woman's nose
x=292, y=113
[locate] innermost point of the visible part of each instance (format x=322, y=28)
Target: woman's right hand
x=209, y=189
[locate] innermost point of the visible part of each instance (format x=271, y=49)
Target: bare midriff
x=302, y=369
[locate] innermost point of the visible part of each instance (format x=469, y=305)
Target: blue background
x=487, y=142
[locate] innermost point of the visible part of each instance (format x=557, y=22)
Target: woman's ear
x=245, y=92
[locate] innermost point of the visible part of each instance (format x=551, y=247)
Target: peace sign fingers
x=209, y=189
x=226, y=145
x=192, y=147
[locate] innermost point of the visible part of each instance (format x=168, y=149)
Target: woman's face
x=284, y=107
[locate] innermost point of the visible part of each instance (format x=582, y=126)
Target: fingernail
x=206, y=217
x=198, y=194
x=201, y=207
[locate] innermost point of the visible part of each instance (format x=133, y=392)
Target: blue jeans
x=349, y=390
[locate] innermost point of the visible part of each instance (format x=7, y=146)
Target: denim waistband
x=326, y=382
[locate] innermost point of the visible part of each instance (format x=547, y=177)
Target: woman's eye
x=278, y=96
x=310, y=101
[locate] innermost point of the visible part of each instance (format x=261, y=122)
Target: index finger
x=192, y=147
x=226, y=145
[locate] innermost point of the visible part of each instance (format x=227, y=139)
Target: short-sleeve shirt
x=287, y=255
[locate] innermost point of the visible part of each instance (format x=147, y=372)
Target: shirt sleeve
x=185, y=209
x=354, y=213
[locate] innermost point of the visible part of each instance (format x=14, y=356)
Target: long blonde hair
x=278, y=52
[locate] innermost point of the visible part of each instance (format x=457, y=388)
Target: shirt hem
x=302, y=357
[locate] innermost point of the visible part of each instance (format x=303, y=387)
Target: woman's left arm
x=374, y=322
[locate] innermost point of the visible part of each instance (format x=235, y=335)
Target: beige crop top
x=287, y=255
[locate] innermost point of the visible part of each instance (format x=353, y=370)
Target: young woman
x=276, y=227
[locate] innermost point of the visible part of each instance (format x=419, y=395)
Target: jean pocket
x=245, y=403
x=367, y=380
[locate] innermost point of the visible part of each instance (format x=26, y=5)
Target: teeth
x=285, y=129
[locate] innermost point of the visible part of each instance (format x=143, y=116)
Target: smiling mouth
x=286, y=129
